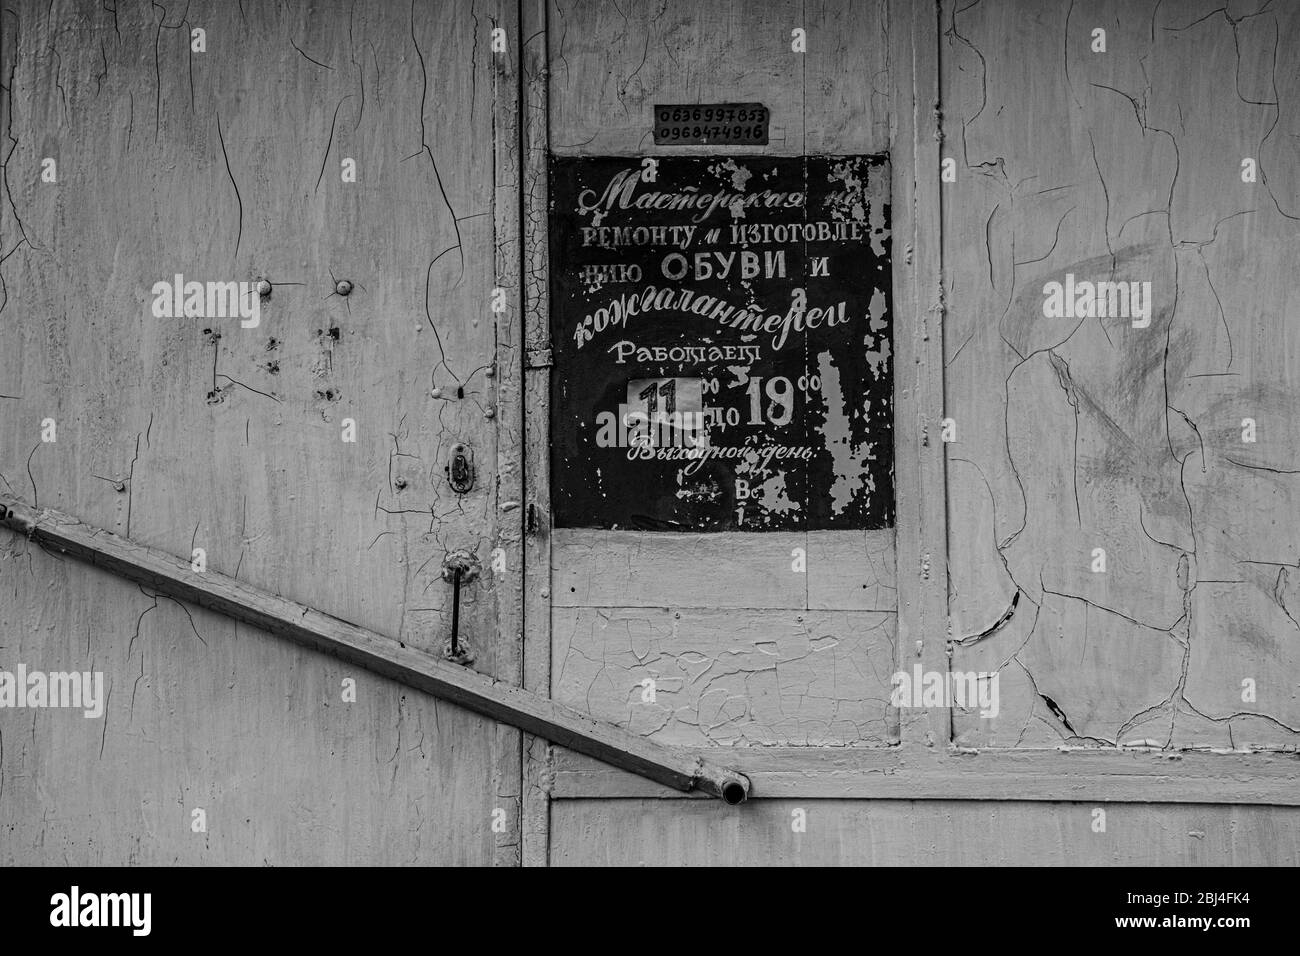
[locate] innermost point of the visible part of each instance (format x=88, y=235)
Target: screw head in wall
x=343, y=287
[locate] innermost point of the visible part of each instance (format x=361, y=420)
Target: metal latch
x=458, y=567
x=460, y=470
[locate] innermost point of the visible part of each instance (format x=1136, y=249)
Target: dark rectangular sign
x=716, y=124
x=721, y=338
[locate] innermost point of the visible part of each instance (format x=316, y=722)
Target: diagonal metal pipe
x=480, y=693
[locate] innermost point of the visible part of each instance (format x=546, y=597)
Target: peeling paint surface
x=816, y=679
x=1094, y=431
x=190, y=433
x=1075, y=433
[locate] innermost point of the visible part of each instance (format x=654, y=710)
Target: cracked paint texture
x=195, y=433
x=719, y=678
x=1085, y=433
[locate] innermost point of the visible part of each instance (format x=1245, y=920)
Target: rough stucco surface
x=226, y=165
x=1084, y=433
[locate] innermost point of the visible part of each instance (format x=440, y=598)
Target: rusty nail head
x=263, y=287
x=343, y=287
x=399, y=481
x=435, y=393
x=490, y=413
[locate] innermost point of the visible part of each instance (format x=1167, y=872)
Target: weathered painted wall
x=1127, y=165
x=198, y=433
x=1070, y=435
x=1078, y=433
x=919, y=833
x=744, y=646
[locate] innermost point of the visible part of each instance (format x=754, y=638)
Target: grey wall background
x=1071, y=435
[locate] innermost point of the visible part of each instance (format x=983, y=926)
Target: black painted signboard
x=721, y=340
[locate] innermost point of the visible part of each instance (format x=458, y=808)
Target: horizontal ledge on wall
x=919, y=773
x=842, y=570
